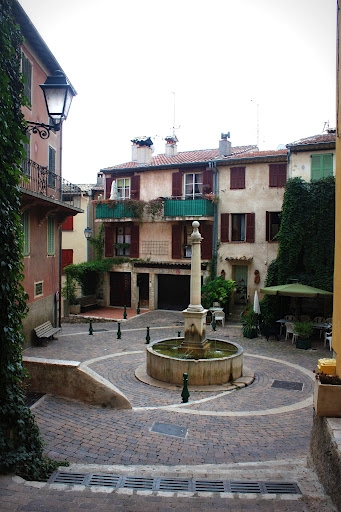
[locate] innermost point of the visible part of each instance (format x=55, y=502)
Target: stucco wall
x=300, y=164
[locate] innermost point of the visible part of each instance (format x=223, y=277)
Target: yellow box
x=327, y=366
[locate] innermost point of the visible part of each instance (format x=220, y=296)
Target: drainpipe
x=213, y=166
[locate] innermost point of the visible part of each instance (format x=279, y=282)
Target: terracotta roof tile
x=315, y=139
x=197, y=156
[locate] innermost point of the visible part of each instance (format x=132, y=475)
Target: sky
x=263, y=70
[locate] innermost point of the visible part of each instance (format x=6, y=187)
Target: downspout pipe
x=213, y=166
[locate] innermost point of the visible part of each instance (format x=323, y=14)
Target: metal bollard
x=125, y=313
x=185, y=392
x=147, y=337
x=179, y=334
x=90, y=328
x=119, y=331
x=214, y=324
x=138, y=308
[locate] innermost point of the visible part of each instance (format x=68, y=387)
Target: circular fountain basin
x=220, y=369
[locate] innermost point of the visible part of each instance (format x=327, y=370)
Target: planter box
x=75, y=309
x=302, y=343
x=327, y=400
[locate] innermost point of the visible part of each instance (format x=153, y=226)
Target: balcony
x=41, y=181
x=188, y=208
x=116, y=210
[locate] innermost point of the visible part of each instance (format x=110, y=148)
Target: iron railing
x=40, y=180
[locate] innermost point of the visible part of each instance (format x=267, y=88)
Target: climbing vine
x=21, y=447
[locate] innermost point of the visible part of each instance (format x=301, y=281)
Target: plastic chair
x=290, y=330
x=305, y=318
x=290, y=317
x=329, y=320
x=328, y=339
x=216, y=304
x=220, y=317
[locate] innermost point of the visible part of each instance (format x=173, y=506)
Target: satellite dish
x=281, y=146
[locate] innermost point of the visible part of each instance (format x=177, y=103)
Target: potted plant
x=249, y=324
x=327, y=393
x=303, y=330
x=69, y=293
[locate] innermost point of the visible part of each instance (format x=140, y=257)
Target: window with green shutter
x=51, y=178
x=25, y=222
x=26, y=68
x=51, y=244
x=321, y=166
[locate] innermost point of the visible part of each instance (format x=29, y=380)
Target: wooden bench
x=46, y=330
x=88, y=302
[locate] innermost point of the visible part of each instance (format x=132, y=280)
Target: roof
x=201, y=156
x=32, y=36
x=317, y=141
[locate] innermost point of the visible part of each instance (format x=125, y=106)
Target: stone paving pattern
x=248, y=425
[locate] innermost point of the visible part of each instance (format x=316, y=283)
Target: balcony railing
x=119, y=210
x=188, y=208
x=40, y=180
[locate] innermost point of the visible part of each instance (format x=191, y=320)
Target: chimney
x=142, y=150
x=171, y=147
x=225, y=145
x=100, y=179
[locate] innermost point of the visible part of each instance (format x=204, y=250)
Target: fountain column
x=195, y=315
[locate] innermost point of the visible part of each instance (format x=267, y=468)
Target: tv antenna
x=174, y=127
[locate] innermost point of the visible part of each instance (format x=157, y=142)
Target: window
x=26, y=68
x=123, y=239
x=25, y=221
x=123, y=188
x=68, y=224
x=272, y=225
x=193, y=185
x=243, y=227
x=51, y=245
x=51, y=178
x=38, y=289
x=277, y=175
x=238, y=227
x=237, y=178
x=187, y=247
x=321, y=166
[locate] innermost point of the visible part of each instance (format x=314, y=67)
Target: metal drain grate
x=173, y=484
x=286, y=384
x=32, y=398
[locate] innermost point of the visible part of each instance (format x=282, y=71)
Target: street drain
x=173, y=484
x=32, y=398
x=169, y=430
x=286, y=384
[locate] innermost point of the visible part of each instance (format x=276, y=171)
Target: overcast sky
x=264, y=70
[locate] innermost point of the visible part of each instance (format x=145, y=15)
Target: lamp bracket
x=42, y=129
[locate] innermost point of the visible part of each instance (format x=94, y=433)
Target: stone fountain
x=191, y=355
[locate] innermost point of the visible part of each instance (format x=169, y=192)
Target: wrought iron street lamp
x=88, y=233
x=58, y=94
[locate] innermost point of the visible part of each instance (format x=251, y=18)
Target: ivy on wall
x=306, y=239
x=21, y=447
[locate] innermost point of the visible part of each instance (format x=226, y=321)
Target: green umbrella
x=295, y=290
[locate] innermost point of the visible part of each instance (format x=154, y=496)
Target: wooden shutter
x=177, y=184
x=267, y=226
x=327, y=164
x=108, y=182
x=135, y=241
x=207, y=181
x=109, y=241
x=250, y=227
x=135, y=187
x=237, y=177
x=321, y=166
x=176, y=241
x=224, y=227
x=68, y=224
x=67, y=257
x=277, y=175
x=206, y=231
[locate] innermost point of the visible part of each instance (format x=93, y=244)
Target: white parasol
x=256, y=306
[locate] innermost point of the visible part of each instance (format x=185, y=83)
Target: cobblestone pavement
x=260, y=432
